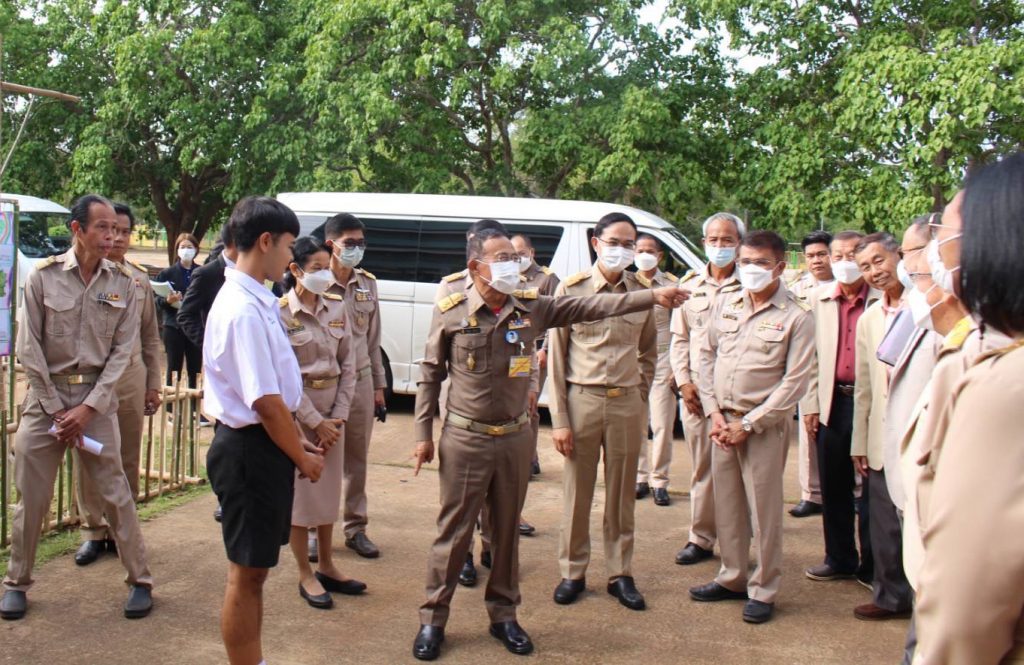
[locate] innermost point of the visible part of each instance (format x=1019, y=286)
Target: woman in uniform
x=315, y=323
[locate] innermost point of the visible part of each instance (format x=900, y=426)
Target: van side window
x=442, y=250
x=392, y=248
x=545, y=240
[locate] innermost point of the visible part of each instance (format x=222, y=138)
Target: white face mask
x=318, y=282
x=846, y=272
x=616, y=259
x=186, y=253
x=903, y=275
x=920, y=310
x=645, y=261
x=349, y=257
x=524, y=263
x=720, y=256
x=942, y=275
x=755, y=278
x=504, y=276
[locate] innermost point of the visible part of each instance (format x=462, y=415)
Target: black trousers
x=180, y=349
x=891, y=589
x=835, y=469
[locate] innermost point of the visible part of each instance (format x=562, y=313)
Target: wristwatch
x=747, y=426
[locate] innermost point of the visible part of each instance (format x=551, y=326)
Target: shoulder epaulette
x=546, y=270
x=283, y=300
x=46, y=263
x=731, y=288
x=526, y=294
x=456, y=276
x=577, y=278
x=670, y=277
x=522, y=277
x=368, y=274
x=333, y=296
x=1002, y=351
x=643, y=280
x=689, y=275
x=124, y=270
x=799, y=302
x=137, y=266
x=448, y=302
x=958, y=335
x=796, y=279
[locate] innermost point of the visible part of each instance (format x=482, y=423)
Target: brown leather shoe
x=872, y=612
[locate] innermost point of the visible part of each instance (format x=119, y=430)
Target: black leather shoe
x=568, y=591
x=427, y=645
x=757, y=612
x=467, y=576
x=90, y=551
x=363, y=546
x=713, y=591
x=322, y=601
x=661, y=496
x=13, y=605
x=218, y=514
x=693, y=553
x=513, y=637
x=642, y=490
x=347, y=587
x=535, y=468
x=805, y=509
x=526, y=529
x=313, y=548
x=625, y=590
x=139, y=603
x=485, y=559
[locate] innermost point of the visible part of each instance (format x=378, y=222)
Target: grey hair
x=727, y=216
x=886, y=240
x=475, y=245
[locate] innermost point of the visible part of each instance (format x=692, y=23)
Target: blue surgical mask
x=350, y=257
x=903, y=275
x=720, y=257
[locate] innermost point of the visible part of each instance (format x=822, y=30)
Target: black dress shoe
x=363, y=546
x=313, y=548
x=805, y=509
x=427, y=645
x=568, y=591
x=13, y=605
x=90, y=551
x=661, y=496
x=321, y=601
x=139, y=603
x=535, y=468
x=218, y=513
x=757, y=612
x=485, y=559
x=625, y=590
x=713, y=591
x=347, y=587
x=642, y=490
x=693, y=553
x=467, y=576
x=526, y=529
x=513, y=637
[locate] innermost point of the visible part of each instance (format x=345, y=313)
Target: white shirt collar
x=257, y=289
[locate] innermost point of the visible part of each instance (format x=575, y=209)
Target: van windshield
x=42, y=234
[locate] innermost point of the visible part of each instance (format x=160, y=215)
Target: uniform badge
x=340, y=323
x=363, y=295
x=512, y=337
x=770, y=325
x=730, y=316
x=109, y=297
x=518, y=324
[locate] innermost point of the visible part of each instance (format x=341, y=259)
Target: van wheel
x=389, y=389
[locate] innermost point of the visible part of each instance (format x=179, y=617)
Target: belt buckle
x=613, y=392
x=75, y=379
x=496, y=430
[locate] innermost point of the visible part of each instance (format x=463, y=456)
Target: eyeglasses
x=767, y=264
x=353, y=244
x=505, y=258
x=615, y=242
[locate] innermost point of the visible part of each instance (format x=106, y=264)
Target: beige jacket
x=871, y=389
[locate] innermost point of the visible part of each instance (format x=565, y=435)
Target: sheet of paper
x=162, y=289
x=89, y=445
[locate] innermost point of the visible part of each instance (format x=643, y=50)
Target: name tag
x=768, y=325
x=730, y=315
x=468, y=331
x=519, y=367
x=296, y=330
x=336, y=324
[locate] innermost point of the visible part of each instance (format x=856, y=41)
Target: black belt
x=845, y=389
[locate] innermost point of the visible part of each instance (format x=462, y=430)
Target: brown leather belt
x=606, y=391
x=74, y=379
x=322, y=382
x=845, y=389
x=502, y=429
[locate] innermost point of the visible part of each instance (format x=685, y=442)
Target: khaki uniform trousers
x=131, y=406
x=358, y=431
x=703, y=532
x=616, y=426
x=748, y=502
x=810, y=485
x=656, y=458
x=477, y=470
x=37, y=458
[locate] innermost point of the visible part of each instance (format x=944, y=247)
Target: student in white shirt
x=253, y=387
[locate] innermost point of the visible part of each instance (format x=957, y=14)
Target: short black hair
x=226, y=239
x=475, y=244
x=991, y=272
x=816, y=238
x=124, y=209
x=648, y=236
x=304, y=248
x=526, y=239
x=80, y=208
x=343, y=221
x=762, y=239
x=612, y=218
x=886, y=240
x=484, y=224
x=255, y=215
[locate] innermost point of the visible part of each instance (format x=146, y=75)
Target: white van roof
x=446, y=205
x=28, y=203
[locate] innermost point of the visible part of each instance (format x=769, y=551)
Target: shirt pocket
x=589, y=332
x=363, y=310
x=726, y=326
x=304, y=346
x=472, y=353
x=110, y=316
x=769, y=341
x=61, y=314
x=696, y=311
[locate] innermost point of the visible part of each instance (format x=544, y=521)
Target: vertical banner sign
x=8, y=301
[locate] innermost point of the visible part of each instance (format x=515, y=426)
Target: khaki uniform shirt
x=457, y=282
x=689, y=323
x=757, y=362
x=470, y=343
x=618, y=352
x=148, y=346
x=541, y=278
x=322, y=344
x=804, y=286
x=67, y=327
x=363, y=316
x=662, y=316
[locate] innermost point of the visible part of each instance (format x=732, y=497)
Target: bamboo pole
x=14, y=88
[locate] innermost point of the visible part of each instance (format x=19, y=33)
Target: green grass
x=64, y=541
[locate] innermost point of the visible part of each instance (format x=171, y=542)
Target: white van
x=35, y=219
x=414, y=240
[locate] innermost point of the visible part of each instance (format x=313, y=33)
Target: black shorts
x=254, y=482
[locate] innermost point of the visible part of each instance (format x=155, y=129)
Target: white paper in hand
x=88, y=445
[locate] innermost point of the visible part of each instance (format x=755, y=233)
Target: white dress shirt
x=246, y=354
